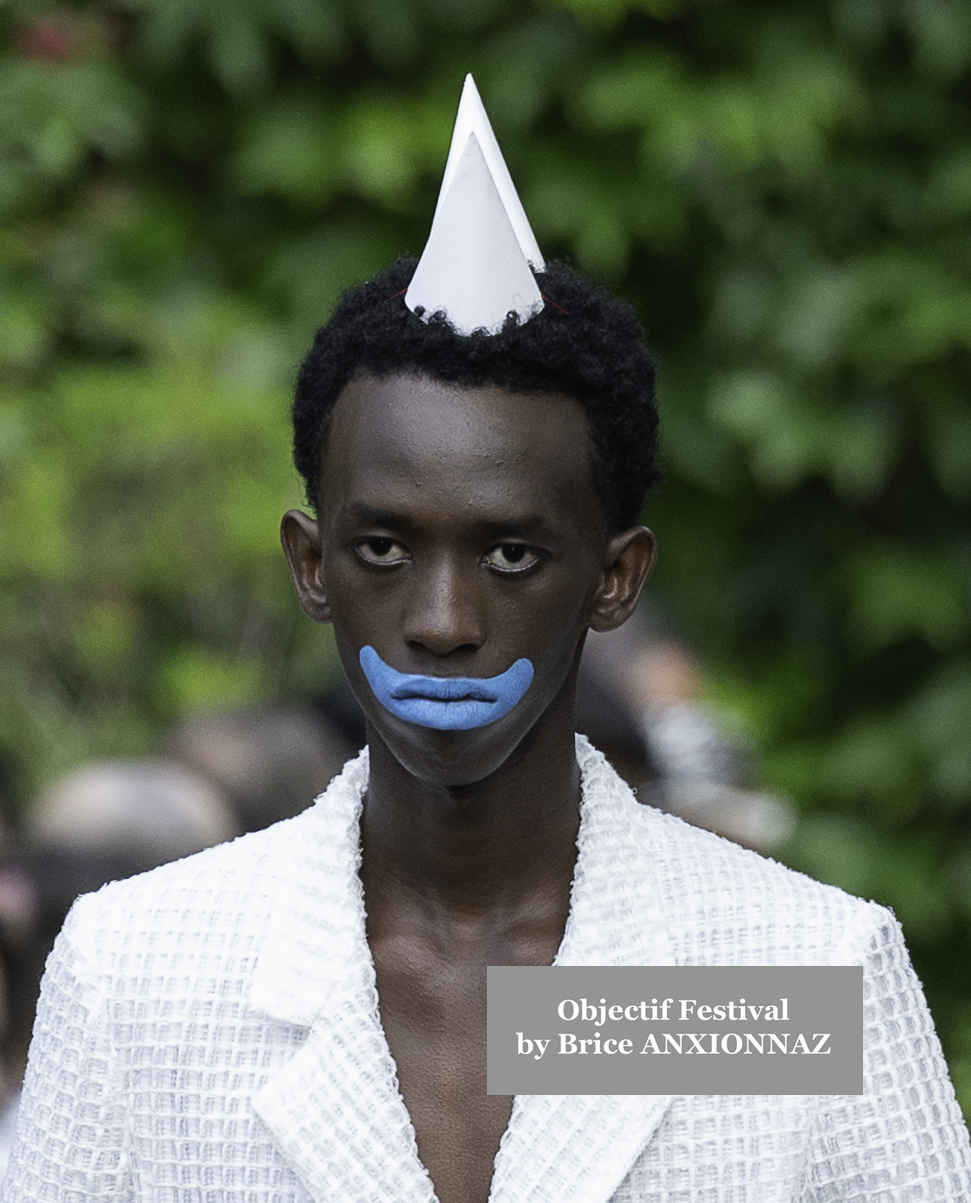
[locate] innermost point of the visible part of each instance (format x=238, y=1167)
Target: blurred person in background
x=639, y=699
x=266, y=761
x=99, y=823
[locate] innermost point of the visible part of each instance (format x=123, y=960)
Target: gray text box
x=675, y=1030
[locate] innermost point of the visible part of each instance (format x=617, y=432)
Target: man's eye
x=379, y=550
x=511, y=557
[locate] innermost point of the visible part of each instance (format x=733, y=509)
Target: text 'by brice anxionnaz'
x=679, y=1043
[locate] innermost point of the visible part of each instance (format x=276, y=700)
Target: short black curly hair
x=584, y=343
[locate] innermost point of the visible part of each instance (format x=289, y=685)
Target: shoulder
x=725, y=904
x=729, y=901
x=217, y=903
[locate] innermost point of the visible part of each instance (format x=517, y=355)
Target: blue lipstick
x=445, y=703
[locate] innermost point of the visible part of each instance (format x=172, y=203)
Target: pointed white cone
x=472, y=118
x=473, y=268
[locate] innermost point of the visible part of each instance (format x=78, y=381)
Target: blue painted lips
x=445, y=703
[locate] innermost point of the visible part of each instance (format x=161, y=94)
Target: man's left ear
x=628, y=562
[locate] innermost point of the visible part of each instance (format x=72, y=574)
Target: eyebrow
x=524, y=526
x=359, y=511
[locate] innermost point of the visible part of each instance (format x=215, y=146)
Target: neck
x=500, y=845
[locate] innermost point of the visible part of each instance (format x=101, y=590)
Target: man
x=300, y=1016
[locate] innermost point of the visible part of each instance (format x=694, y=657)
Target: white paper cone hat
x=473, y=119
x=476, y=264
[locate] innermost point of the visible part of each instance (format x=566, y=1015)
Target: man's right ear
x=300, y=537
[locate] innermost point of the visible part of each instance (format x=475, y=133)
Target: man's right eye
x=381, y=550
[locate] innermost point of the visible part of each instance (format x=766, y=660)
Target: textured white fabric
x=209, y=1033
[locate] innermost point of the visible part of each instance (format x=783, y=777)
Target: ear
x=300, y=537
x=628, y=562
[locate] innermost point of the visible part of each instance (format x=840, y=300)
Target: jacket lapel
x=336, y=1112
x=334, y=1107
x=583, y=1146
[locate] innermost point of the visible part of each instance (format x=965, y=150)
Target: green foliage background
x=783, y=190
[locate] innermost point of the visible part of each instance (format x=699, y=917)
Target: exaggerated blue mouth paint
x=445, y=703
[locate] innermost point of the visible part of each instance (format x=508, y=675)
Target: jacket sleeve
x=72, y=1135
x=904, y=1138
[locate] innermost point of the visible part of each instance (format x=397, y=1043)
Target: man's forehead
x=426, y=416
x=404, y=432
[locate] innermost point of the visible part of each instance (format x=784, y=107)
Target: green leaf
x=900, y=591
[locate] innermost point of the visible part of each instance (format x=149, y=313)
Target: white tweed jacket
x=209, y=1033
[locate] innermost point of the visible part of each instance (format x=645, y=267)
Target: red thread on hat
x=554, y=304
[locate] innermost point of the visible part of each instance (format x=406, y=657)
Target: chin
x=449, y=759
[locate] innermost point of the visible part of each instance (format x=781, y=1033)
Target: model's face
x=459, y=537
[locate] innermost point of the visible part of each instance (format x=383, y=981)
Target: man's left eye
x=511, y=557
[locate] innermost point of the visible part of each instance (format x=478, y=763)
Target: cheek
x=360, y=602
x=554, y=624
x=552, y=667
x=348, y=652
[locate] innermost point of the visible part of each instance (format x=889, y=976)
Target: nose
x=444, y=614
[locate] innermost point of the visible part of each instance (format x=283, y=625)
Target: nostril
x=443, y=640
x=444, y=635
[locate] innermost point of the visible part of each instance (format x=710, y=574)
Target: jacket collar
x=335, y=1108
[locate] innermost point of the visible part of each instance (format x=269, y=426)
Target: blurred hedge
x=784, y=191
